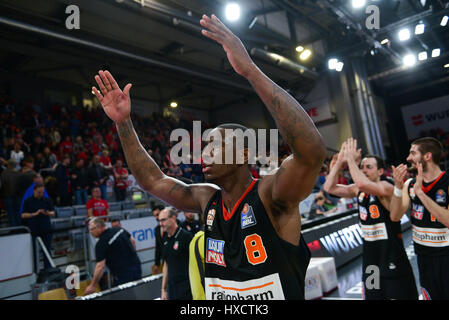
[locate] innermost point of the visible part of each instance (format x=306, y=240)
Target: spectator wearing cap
x=96, y=206
x=114, y=249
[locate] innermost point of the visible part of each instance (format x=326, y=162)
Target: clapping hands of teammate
x=419, y=179
x=115, y=102
x=399, y=174
x=235, y=50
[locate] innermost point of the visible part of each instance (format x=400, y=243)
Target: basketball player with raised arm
x=253, y=243
x=427, y=197
x=383, y=248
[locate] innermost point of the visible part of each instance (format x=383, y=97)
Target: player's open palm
x=115, y=102
x=235, y=50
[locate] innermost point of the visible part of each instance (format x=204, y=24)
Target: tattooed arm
x=294, y=180
x=117, y=105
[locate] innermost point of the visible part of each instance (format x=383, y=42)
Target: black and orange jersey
x=382, y=238
x=245, y=259
x=430, y=237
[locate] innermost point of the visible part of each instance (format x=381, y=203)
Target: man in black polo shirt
x=114, y=249
x=175, y=254
x=37, y=211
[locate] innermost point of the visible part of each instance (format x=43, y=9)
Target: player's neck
x=433, y=172
x=234, y=187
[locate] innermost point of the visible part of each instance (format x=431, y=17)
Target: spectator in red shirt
x=120, y=181
x=96, y=206
x=105, y=160
x=66, y=146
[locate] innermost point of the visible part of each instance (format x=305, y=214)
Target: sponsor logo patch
x=417, y=211
x=265, y=288
x=431, y=237
x=214, y=252
x=363, y=213
x=374, y=232
x=247, y=218
x=440, y=196
x=210, y=218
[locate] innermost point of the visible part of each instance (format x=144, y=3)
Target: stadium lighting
x=409, y=60
x=305, y=54
x=173, y=104
x=404, y=34
x=299, y=48
x=339, y=66
x=446, y=65
x=358, y=3
x=422, y=56
x=232, y=11
x=436, y=52
x=384, y=41
x=443, y=22
x=419, y=29
x=332, y=63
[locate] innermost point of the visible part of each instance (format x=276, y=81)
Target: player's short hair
x=432, y=145
x=379, y=161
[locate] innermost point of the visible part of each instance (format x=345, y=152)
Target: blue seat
x=76, y=240
x=79, y=221
x=80, y=210
x=115, y=206
x=61, y=223
x=64, y=212
x=127, y=205
x=132, y=214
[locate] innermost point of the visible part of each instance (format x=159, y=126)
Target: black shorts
x=399, y=288
x=434, y=277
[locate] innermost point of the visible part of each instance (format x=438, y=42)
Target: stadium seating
x=80, y=210
x=128, y=205
x=64, y=212
x=115, y=206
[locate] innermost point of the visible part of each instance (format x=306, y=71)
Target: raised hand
x=419, y=179
x=351, y=151
x=341, y=155
x=235, y=50
x=399, y=174
x=115, y=102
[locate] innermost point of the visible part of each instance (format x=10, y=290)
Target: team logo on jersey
x=371, y=199
x=417, y=211
x=440, y=196
x=247, y=218
x=363, y=213
x=412, y=192
x=361, y=196
x=214, y=252
x=176, y=245
x=210, y=218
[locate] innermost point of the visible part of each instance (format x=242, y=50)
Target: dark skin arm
x=293, y=181
x=117, y=105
